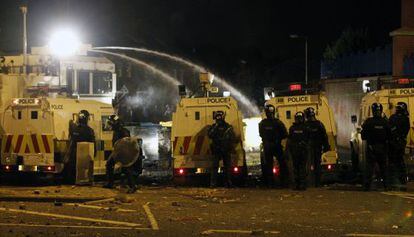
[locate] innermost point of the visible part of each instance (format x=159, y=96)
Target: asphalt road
x=191, y=211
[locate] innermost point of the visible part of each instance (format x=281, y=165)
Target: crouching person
x=126, y=151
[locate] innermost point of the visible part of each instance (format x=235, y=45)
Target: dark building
x=346, y=77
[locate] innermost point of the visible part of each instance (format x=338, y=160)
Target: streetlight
x=306, y=53
x=64, y=42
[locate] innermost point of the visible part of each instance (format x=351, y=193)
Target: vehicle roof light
x=295, y=87
x=402, y=81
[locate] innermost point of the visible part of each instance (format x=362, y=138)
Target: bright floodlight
x=64, y=43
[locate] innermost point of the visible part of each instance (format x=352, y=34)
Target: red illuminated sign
x=295, y=87
x=403, y=81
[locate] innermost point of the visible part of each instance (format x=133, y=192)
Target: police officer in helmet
x=119, y=132
x=117, y=126
x=318, y=142
x=399, y=124
x=222, y=138
x=377, y=133
x=297, y=145
x=79, y=132
x=273, y=131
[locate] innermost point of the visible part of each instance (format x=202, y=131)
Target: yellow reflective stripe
x=14, y=143
x=191, y=147
x=3, y=142
x=205, y=149
x=51, y=143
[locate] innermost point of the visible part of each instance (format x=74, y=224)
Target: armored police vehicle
x=388, y=94
x=36, y=133
x=288, y=102
x=190, y=143
x=40, y=100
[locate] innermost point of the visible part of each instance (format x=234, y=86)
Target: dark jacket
x=272, y=130
x=317, y=134
x=400, y=126
x=298, y=136
x=222, y=137
x=376, y=130
x=81, y=133
x=120, y=133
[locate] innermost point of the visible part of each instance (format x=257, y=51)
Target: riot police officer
x=119, y=132
x=318, y=142
x=79, y=132
x=273, y=131
x=117, y=126
x=222, y=138
x=376, y=131
x=399, y=124
x=297, y=147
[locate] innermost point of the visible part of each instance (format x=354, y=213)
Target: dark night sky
x=217, y=33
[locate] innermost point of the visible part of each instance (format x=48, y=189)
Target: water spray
x=157, y=53
x=253, y=109
x=155, y=70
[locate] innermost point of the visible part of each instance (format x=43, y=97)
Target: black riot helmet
x=219, y=116
x=310, y=113
x=270, y=111
x=401, y=108
x=376, y=109
x=83, y=117
x=115, y=122
x=299, y=117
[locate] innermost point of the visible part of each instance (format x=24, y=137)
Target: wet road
x=190, y=211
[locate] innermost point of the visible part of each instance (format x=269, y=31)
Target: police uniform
x=119, y=132
x=400, y=126
x=222, y=139
x=79, y=133
x=318, y=142
x=297, y=146
x=273, y=131
x=376, y=132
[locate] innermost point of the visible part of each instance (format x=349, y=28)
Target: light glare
x=64, y=43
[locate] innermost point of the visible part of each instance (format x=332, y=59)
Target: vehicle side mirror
x=354, y=119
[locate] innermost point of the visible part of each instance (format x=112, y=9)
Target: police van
x=288, y=102
x=190, y=144
x=389, y=94
x=35, y=136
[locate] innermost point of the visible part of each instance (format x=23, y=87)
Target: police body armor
x=222, y=137
x=272, y=131
x=298, y=136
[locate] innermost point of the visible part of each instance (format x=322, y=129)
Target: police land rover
x=389, y=94
x=296, y=98
x=190, y=144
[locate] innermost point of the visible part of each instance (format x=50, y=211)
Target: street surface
x=165, y=210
